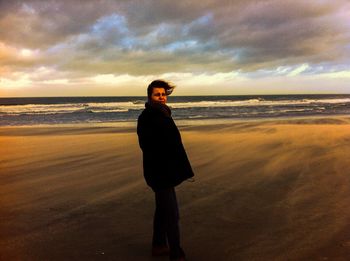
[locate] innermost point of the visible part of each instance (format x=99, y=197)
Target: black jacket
x=165, y=162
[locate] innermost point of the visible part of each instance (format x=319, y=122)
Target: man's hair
x=160, y=84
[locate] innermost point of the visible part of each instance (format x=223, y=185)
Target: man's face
x=159, y=95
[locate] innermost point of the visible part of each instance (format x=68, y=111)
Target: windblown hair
x=160, y=84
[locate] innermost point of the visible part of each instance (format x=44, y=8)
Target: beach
x=274, y=189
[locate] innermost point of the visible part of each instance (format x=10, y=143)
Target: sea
x=72, y=110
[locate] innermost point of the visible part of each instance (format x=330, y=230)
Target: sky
x=204, y=47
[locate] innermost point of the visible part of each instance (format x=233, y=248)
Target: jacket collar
x=157, y=106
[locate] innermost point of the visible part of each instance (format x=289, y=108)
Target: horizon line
x=210, y=95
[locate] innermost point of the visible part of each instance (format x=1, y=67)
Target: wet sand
x=264, y=190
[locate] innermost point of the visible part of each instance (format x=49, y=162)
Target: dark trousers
x=166, y=222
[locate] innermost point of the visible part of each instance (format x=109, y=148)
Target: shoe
x=178, y=259
x=178, y=256
x=160, y=251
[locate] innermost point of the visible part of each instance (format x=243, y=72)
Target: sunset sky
x=205, y=47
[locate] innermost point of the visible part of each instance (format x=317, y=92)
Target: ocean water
x=62, y=110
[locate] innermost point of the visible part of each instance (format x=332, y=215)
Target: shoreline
x=196, y=121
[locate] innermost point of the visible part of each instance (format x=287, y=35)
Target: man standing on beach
x=165, y=165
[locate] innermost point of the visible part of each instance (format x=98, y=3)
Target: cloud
x=78, y=39
x=298, y=70
x=274, y=32
x=43, y=23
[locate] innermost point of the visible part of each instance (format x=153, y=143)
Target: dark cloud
x=142, y=37
x=271, y=31
x=43, y=23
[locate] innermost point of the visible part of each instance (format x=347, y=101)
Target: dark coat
x=165, y=162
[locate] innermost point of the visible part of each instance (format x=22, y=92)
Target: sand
x=264, y=190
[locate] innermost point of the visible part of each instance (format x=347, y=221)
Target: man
x=165, y=165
